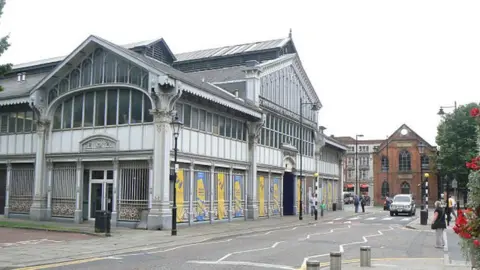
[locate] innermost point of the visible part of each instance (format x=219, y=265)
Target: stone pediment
x=98, y=143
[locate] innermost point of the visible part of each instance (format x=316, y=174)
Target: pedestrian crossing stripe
x=370, y=218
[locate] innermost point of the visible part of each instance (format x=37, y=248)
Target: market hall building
x=91, y=131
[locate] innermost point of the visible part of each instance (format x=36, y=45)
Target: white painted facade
x=101, y=140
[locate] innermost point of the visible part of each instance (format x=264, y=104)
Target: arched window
x=87, y=72
x=404, y=161
x=385, y=188
x=405, y=188
x=101, y=109
x=425, y=162
x=385, y=164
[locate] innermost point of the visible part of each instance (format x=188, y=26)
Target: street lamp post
x=442, y=114
x=176, y=125
x=421, y=150
x=315, y=107
x=357, y=190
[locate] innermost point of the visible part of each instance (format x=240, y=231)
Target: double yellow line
x=61, y=264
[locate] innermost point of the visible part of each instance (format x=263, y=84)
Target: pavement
x=282, y=248
x=58, y=248
x=452, y=257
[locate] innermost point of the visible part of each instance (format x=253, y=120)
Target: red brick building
x=398, y=164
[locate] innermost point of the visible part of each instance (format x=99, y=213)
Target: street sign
x=454, y=183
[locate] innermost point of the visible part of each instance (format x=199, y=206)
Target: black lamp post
x=315, y=107
x=176, y=125
x=442, y=113
x=357, y=189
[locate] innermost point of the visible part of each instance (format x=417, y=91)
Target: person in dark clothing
x=439, y=224
x=363, y=202
x=356, y=201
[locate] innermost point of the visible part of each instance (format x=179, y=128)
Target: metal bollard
x=313, y=265
x=365, y=256
x=335, y=260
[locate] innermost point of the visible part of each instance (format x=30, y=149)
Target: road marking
x=190, y=245
x=330, y=222
x=251, y=264
x=338, y=218
x=249, y=250
x=347, y=222
x=405, y=219
x=54, y=265
x=331, y=231
x=370, y=218
x=354, y=218
x=387, y=218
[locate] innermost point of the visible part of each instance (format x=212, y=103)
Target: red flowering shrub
x=474, y=164
x=474, y=112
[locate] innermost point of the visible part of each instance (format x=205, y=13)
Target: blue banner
x=238, y=196
x=201, y=209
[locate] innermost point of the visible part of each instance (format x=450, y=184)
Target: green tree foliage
x=457, y=140
x=5, y=68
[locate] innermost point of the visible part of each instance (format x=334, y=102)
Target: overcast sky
x=374, y=64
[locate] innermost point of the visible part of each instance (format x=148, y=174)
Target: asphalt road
x=280, y=249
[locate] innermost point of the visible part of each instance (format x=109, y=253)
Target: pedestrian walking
x=356, y=202
x=363, y=202
x=439, y=224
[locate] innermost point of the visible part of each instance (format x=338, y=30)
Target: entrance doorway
x=288, y=194
x=100, y=191
x=3, y=190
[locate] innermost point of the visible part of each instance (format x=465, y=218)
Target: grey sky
x=374, y=64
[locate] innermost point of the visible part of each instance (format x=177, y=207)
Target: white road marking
x=354, y=218
x=330, y=222
x=251, y=264
x=405, y=219
x=190, y=245
x=387, y=218
x=338, y=218
x=329, y=232
x=370, y=218
x=347, y=222
x=341, y=247
x=249, y=250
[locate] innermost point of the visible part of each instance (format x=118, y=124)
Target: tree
x=5, y=68
x=457, y=140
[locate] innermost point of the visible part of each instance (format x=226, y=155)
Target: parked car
x=403, y=203
x=347, y=198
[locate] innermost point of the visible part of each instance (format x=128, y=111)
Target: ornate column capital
x=165, y=93
x=254, y=130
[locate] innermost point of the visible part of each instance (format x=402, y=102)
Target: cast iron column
x=174, y=208
x=300, y=217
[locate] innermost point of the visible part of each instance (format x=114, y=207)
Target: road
x=281, y=249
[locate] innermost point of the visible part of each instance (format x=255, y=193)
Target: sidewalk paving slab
x=129, y=240
x=400, y=263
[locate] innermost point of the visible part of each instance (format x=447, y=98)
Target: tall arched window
x=425, y=162
x=405, y=188
x=385, y=164
x=385, y=188
x=404, y=161
x=101, y=109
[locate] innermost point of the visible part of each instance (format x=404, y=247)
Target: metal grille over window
x=21, y=189
x=63, y=189
x=133, y=189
